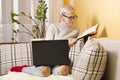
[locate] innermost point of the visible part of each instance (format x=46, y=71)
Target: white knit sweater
x=61, y=31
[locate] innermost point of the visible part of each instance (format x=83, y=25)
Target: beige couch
x=112, y=71
x=113, y=65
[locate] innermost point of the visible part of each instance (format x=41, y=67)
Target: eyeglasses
x=71, y=17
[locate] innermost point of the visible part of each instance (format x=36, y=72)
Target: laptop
x=50, y=52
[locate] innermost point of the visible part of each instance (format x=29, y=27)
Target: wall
x=66, y=1
x=104, y=12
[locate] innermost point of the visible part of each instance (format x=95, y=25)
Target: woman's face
x=69, y=18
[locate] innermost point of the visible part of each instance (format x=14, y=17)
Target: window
x=29, y=6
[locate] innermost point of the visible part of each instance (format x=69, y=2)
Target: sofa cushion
x=91, y=62
x=14, y=55
x=75, y=50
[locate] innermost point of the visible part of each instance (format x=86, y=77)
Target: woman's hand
x=72, y=41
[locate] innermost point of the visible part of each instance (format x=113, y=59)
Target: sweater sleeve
x=50, y=34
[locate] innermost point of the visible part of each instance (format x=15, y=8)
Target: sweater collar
x=64, y=25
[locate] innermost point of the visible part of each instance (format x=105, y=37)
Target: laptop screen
x=50, y=52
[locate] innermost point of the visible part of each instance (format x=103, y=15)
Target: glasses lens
x=71, y=17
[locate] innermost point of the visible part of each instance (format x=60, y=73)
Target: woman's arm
x=50, y=33
x=72, y=41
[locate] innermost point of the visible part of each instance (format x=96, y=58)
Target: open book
x=90, y=31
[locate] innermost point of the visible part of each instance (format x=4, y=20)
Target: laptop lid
x=50, y=52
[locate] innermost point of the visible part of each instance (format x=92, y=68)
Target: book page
x=89, y=31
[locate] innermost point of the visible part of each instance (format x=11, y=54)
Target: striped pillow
x=14, y=55
x=91, y=62
x=75, y=50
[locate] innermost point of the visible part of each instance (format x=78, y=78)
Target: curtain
x=6, y=26
x=24, y=6
x=0, y=10
x=54, y=9
x=6, y=21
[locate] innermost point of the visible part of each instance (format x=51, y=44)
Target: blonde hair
x=66, y=9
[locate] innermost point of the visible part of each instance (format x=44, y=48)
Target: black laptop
x=50, y=52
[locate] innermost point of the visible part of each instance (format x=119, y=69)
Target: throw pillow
x=75, y=51
x=91, y=62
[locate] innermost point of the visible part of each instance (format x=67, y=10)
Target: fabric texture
x=35, y=71
x=14, y=55
x=91, y=62
x=23, y=76
x=18, y=68
x=75, y=51
x=32, y=70
x=61, y=31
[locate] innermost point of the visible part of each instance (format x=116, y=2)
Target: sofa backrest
x=14, y=55
x=20, y=54
x=113, y=64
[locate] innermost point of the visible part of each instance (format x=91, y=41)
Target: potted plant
x=38, y=27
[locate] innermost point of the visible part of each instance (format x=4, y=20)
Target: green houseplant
x=38, y=28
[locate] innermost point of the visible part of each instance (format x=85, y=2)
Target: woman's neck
x=64, y=25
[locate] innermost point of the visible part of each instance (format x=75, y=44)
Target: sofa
x=113, y=65
x=112, y=69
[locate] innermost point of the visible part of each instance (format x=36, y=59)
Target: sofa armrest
x=113, y=64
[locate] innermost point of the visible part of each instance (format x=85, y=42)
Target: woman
x=62, y=30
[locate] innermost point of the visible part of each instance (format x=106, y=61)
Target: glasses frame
x=71, y=17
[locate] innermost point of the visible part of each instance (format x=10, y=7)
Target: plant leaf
x=16, y=21
x=30, y=17
x=15, y=31
x=18, y=30
x=14, y=14
x=23, y=13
